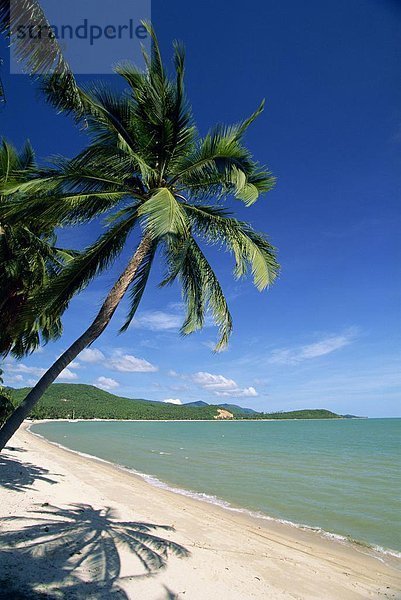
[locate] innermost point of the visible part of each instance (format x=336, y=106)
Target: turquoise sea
x=343, y=476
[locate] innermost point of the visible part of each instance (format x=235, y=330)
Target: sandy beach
x=76, y=527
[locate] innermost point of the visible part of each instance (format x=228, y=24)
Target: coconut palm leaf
x=28, y=260
x=83, y=268
x=249, y=248
x=40, y=55
x=163, y=214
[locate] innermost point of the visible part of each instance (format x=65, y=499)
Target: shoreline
x=214, y=500
x=233, y=555
x=238, y=420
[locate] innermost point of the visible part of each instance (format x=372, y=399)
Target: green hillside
x=79, y=401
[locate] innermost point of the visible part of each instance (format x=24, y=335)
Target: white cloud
x=92, y=355
x=172, y=401
x=248, y=392
x=126, y=363
x=211, y=345
x=166, y=320
x=172, y=373
x=74, y=365
x=15, y=379
x=158, y=320
x=67, y=375
x=21, y=368
x=292, y=356
x=221, y=386
x=106, y=383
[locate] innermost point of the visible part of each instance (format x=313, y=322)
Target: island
x=81, y=401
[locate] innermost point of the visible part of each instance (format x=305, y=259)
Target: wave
x=216, y=501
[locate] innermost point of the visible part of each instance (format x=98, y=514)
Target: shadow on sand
x=74, y=553
x=20, y=476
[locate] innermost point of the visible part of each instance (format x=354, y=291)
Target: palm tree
x=28, y=259
x=40, y=55
x=147, y=167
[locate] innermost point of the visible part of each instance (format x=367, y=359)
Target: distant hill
x=80, y=401
x=352, y=417
x=233, y=408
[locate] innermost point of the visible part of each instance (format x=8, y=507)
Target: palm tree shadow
x=75, y=552
x=169, y=594
x=20, y=476
x=14, y=449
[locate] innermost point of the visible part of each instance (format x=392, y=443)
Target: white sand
x=75, y=554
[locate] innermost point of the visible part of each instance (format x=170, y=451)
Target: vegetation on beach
x=80, y=401
x=148, y=169
x=29, y=258
x=6, y=404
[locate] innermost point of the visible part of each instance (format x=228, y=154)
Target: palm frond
x=162, y=214
x=214, y=298
x=40, y=52
x=220, y=166
x=251, y=249
x=62, y=209
x=180, y=265
x=82, y=269
x=3, y=97
x=200, y=288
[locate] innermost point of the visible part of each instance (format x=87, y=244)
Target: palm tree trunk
x=88, y=337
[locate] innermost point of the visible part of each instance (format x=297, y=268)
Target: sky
x=326, y=335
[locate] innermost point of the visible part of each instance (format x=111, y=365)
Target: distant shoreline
x=95, y=420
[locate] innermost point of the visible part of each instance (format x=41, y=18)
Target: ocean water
x=343, y=476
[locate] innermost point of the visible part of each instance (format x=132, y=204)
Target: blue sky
x=327, y=334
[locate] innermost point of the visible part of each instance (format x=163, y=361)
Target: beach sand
x=59, y=538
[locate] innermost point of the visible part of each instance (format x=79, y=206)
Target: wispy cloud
x=67, y=375
x=106, y=383
x=127, y=363
x=158, y=320
x=16, y=373
x=15, y=378
x=165, y=320
x=92, y=355
x=24, y=369
x=212, y=344
x=327, y=345
x=119, y=361
x=365, y=388
x=221, y=385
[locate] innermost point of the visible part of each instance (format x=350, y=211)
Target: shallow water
x=343, y=476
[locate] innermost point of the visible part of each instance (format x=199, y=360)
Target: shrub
x=6, y=405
